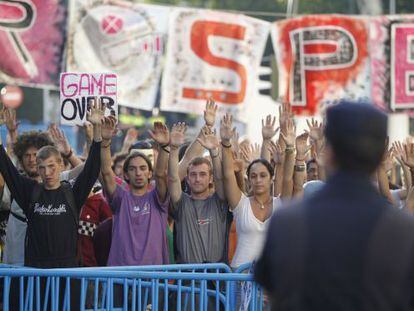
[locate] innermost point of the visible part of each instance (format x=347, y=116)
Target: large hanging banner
x=392, y=62
x=322, y=58
x=31, y=41
x=120, y=37
x=215, y=55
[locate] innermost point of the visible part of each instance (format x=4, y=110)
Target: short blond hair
x=48, y=151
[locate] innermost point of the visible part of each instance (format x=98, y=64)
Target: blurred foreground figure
x=345, y=247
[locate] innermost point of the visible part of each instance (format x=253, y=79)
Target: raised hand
x=399, y=152
x=96, y=113
x=209, y=139
x=289, y=136
x=210, y=112
x=302, y=146
x=226, y=128
x=268, y=128
x=131, y=136
x=246, y=152
x=160, y=134
x=285, y=113
x=277, y=152
x=409, y=154
x=10, y=119
x=108, y=128
x=315, y=129
x=256, y=151
x=177, y=135
x=59, y=139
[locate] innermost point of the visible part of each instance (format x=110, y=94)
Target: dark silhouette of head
x=356, y=132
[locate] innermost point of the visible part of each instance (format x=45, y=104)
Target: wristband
x=67, y=156
x=300, y=168
x=289, y=150
x=164, y=147
x=226, y=146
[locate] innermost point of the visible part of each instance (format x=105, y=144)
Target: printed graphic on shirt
x=202, y=222
x=142, y=210
x=49, y=210
x=86, y=228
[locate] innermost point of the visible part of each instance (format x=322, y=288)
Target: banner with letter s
x=322, y=58
x=31, y=41
x=124, y=38
x=215, y=55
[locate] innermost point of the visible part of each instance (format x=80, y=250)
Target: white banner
x=78, y=89
x=124, y=38
x=212, y=54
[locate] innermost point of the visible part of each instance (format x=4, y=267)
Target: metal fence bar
x=201, y=286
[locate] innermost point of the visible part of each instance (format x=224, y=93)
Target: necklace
x=262, y=205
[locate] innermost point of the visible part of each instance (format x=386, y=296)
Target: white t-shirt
x=251, y=232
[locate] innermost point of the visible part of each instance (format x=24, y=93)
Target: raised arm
x=62, y=144
x=161, y=135
x=107, y=174
x=289, y=139
x=130, y=138
x=20, y=187
x=399, y=154
x=268, y=132
x=195, y=149
x=177, y=136
x=277, y=152
x=317, y=141
x=210, y=141
x=87, y=178
x=11, y=125
x=231, y=189
x=383, y=182
x=299, y=175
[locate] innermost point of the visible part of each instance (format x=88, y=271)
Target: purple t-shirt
x=139, y=229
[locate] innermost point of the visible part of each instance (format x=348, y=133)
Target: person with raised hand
x=251, y=214
x=52, y=208
x=140, y=214
x=344, y=247
x=201, y=218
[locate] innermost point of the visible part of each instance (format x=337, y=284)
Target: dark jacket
x=345, y=248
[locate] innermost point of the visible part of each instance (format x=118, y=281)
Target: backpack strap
x=67, y=190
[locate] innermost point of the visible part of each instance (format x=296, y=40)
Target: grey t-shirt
x=201, y=229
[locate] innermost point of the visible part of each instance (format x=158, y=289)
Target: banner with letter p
x=322, y=58
x=78, y=89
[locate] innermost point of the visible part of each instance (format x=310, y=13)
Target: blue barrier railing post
x=6, y=292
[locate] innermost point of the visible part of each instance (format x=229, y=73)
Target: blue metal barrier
x=174, y=287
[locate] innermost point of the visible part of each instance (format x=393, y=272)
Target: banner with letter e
x=78, y=89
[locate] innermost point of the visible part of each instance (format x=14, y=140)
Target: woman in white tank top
x=251, y=214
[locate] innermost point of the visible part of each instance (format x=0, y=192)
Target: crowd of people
x=164, y=200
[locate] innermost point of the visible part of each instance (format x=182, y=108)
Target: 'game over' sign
x=78, y=89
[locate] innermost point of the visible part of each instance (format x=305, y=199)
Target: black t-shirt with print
x=52, y=229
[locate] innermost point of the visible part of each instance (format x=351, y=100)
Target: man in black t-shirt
x=52, y=219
